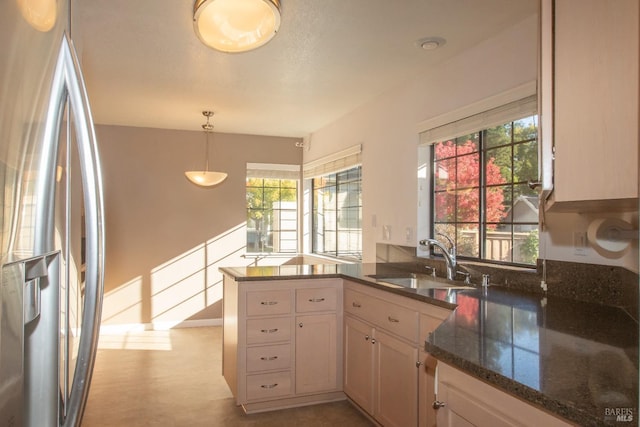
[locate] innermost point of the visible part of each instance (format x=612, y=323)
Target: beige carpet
x=173, y=378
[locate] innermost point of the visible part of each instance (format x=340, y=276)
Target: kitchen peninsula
x=573, y=359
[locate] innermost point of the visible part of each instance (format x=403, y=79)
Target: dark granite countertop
x=576, y=359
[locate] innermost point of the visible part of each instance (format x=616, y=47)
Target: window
x=272, y=215
x=481, y=199
x=337, y=214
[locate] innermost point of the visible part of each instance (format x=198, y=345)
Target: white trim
x=356, y=149
x=122, y=328
x=273, y=167
x=273, y=171
x=481, y=106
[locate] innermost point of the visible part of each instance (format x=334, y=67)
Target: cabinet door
x=396, y=381
x=596, y=100
x=358, y=362
x=426, y=376
x=316, y=353
x=426, y=390
x=471, y=402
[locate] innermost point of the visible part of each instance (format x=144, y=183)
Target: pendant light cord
x=208, y=128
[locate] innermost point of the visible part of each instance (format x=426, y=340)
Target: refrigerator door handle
x=68, y=86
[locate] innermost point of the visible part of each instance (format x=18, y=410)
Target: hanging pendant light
x=206, y=178
x=236, y=25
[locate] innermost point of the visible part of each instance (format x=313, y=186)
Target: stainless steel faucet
x=449, y=256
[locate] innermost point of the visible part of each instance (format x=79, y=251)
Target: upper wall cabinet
x=589, y=103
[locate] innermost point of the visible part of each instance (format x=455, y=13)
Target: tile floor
x=173, y=378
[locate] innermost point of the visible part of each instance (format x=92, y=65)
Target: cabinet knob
x=392, y=319
x=269, y=331
x=366, y=337
x=373, y=340
x=269, y=302
x=300, y=324
x=437, y=404
x=418, y=364
x=316, y=299
x=356, y=304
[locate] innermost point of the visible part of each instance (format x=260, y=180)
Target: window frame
x=484, y=225
x=338, y=253
x=279, y=230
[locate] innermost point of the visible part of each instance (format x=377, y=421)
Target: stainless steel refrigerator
x=51, y=220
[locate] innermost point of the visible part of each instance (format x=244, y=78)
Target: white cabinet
x=358, y=362
x=316, y=353
x=282, y=342
x=383, y=358
x=430, y=319
x=589, y=102
x=396, y=373
x=468, y=401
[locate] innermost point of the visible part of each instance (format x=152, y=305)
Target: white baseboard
x=122, y=328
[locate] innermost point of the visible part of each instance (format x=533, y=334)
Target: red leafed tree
x=459, y=177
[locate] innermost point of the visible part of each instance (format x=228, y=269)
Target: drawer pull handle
x=316, y=299
x=268, y=358
x=356, y=304
x=393, y=320
x=274, y=385
x=269, y=302
x=269, y=331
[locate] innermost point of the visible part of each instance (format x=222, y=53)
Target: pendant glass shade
x=236, y=25
x=206, y=178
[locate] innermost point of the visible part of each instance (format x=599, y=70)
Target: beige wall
x=395, y=189
x=166, y=237
x=388, y=129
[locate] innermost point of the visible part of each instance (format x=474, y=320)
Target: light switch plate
x=386, y=232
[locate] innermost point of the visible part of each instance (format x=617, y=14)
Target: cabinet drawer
x=316, y=299
x=399, y=320
x=429, y=322
x=359, y=304
x=261, y=303
x=265, y=386
x=396, y=319
x=268, y=358
x=261, y=331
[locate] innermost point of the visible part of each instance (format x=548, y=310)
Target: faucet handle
x=485, y=280
x=467, y=276
x=432, y=270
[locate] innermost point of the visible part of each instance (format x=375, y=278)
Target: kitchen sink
x=417, y=281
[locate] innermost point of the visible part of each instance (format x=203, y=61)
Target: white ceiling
x=144, y=65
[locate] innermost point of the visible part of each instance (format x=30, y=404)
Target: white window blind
x=342, y=160
x=273, y=171
x=494, y=117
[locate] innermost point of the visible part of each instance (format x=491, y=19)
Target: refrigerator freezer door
x=11, y=341
x=19, y=296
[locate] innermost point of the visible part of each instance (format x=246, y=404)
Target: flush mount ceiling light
x=430, y=43
x=206, y=178
x=40, y=14
x=236, y=25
